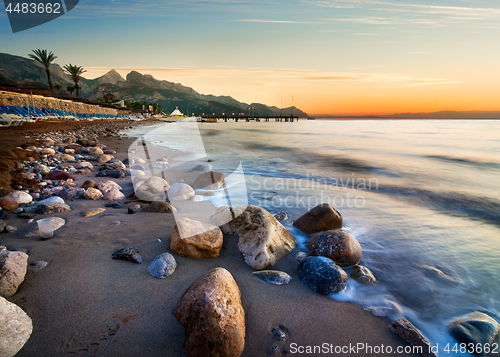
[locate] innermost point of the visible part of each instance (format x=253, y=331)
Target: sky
x=337, y=57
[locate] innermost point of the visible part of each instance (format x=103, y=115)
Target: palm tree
x=45, y=59
x=75, y=72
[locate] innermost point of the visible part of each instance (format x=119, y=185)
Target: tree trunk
x=47, y=70
x=77, y=91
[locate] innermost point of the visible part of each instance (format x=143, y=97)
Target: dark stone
x=91, y=158
x=2, y=225
x=476, y=329
x=130, y=254
x=26, y=215
x=322, y=275
x=111, y=173
x=281, y=216
x=59, y=175
x=3, y=214
x=127, y=161
x=160, y=207
x=87, y=142
x=89, y=184
x=337, y=245
x=321, y=218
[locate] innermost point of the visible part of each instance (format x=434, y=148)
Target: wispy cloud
x=274, y=21
x=269, y=77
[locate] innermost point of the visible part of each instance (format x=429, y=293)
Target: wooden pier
x=247, y=118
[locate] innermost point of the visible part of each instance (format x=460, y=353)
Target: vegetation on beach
x=75, y=72
x=45, y=58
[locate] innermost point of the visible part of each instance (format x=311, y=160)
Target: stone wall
x=20, y=100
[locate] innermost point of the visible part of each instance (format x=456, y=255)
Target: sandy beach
x=84, y=303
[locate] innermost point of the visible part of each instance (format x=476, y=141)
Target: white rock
x=92, y=194
x=137, y=173
x=42, y=169
x=138, y=160
x=157, y=184
x=94, y=151
x=262, y=239
x=108, y=185
x=47, y=151
x=198, y=198
x=81, y=165
x=13, y=267
x=52, y=199
x=69, y=151
x=15, y=328
x=20, y=197
x=113, y=195
x=180, y=192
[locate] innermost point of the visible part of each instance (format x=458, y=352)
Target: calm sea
x=421, y=197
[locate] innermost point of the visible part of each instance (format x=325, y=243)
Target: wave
x=459, y=160
x=478, y=208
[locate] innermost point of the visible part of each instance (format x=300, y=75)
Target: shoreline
x=87, y=304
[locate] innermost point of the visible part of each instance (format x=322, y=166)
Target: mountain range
x=136, y=87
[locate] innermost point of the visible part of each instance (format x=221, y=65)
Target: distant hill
x=136, y=87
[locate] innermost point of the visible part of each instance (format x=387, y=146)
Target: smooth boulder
x=322, y=275
x=8, y=204
x=13, y=267
x=213, y=317
x=19, y=197
x=362, y=275
x=476, y=329
x=15, y=328
x=59, y=175
x=194, y=239
x=321, y=218
x=262, y=239
x=337, y=245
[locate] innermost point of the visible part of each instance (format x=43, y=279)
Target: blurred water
x=422, y=198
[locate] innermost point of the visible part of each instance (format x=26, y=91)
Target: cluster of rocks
x=330, y=250
x=15, y=325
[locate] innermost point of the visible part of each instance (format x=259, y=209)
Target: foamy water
x=421, y=197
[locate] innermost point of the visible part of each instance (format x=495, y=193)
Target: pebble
x=92, y=212
x=134, y=208
x=273, y=276
x=35, y=267
x=130, y=254
x=281, y=216
x=162, y=266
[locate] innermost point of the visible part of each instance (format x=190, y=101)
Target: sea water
x=421, y=196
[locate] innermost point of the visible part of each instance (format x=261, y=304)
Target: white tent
x=176, y=112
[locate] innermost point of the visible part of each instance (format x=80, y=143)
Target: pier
x=247, y=118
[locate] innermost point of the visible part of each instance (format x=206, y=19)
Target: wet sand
x=86, y=304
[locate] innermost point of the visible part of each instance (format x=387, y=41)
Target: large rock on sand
x=59, y=175
x=160, y=207
x=337, y=245
x=8, y=204
x=476, y=329
x=321, y=218
x=13, y=267
x=194, y=239
x=322, y=275
x=263, y=240
x=212, y=315
x=15, y=328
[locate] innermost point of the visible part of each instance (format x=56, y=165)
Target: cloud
x=269, y=77
x=273, y=21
